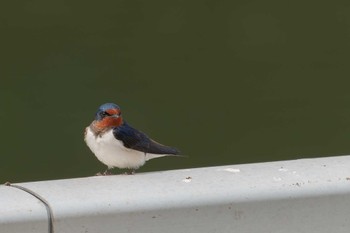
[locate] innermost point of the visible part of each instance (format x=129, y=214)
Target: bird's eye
x=105, y=114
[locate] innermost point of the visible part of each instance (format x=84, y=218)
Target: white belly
x=113, y=153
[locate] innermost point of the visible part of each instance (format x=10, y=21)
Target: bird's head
x=108, y=115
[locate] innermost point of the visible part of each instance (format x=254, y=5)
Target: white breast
x=112, y=152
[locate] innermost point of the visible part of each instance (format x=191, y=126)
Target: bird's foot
x=105, y=173
x=130, y=172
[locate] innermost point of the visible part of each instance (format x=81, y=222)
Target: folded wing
x=136, y=140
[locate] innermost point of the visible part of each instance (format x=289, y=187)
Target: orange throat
x=106, y=123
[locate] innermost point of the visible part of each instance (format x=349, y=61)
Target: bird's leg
x=107, y=172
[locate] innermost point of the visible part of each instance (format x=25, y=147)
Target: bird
x=115, y=143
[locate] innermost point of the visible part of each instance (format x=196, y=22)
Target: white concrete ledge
x=307, y=195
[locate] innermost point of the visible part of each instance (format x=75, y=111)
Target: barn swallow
x=117, y=144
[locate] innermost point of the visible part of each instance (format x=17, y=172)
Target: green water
x=226, y=82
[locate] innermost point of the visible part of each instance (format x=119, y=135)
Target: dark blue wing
x=134, y=139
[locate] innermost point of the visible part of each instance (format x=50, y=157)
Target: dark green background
x=226, y=82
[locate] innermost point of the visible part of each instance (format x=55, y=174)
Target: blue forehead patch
x=107, y=106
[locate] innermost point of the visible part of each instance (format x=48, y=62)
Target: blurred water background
x=226, y=82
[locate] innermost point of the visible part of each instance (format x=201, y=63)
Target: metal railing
x=306, y=195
